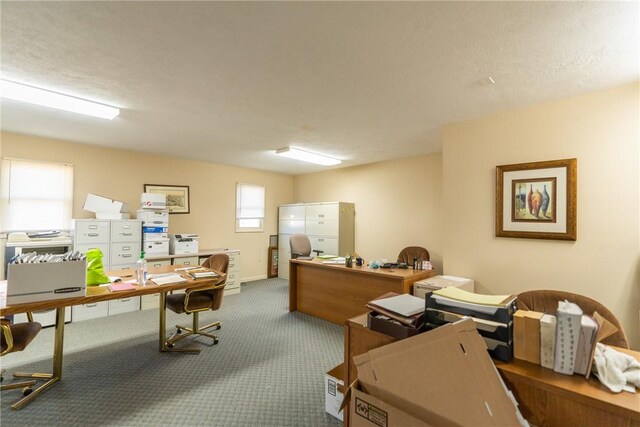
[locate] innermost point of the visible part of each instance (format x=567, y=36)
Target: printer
x=424, y=287
x=180, y=244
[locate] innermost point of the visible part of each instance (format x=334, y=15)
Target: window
x=35, y=195
x=249, y=207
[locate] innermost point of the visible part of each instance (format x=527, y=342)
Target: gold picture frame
x=177, y=196
x=537, y=200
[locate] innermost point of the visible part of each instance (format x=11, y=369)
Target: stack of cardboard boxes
x=155, y=224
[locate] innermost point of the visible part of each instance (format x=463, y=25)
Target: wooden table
x=545, y=398
x=94, y=294
x=337, y=293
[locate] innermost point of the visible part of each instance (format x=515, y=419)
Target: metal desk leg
x=57, y=363
x=163, y=330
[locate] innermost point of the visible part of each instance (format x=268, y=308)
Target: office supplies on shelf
x=168, y=279
x=124, y=286
x=458, y=294
x=569, y=318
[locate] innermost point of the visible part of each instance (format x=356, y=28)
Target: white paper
x=405, y=304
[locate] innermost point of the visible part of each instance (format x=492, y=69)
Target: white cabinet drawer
x=104, y=248
x=291, y=212
x=149, y=301
x=187, y=261
x=124, y=305
x=92, y=232
x=230, y=285
x=324, y=227
x=125, y=253
x=232, y=276
x=44, y=317
x=234, y=263
x=90, y=311
x=125, y=231
x=159, y=263
x=291, y=226
x=322, y=211
x=327, y=244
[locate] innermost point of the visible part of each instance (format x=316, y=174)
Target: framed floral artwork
x=537, y=200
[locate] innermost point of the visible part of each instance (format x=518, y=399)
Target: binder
x=588, y=329
x=547, y=340
x=568, y=320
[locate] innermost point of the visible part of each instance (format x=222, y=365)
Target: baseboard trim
x=254, y=278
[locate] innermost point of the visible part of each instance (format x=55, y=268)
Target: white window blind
x=249, y=207
x=35, y=195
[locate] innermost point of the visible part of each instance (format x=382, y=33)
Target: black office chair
x=301, y=247
x=193, y=301
x=16, y=337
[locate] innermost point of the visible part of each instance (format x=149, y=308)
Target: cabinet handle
x=125, y=299
x=320, y=240
x=321, y=215
x=93, y=227
x=187, y=263
x=231, y=265
x=127, y=234
x=126, y=248
x=126, y=255
x=93, y=234
x=126, y=227
x=91, y=305
x=321, y=222
x=157, y=265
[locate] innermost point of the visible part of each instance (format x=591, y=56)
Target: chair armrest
x=318, y=251
x=8, y=337
x=188, y=292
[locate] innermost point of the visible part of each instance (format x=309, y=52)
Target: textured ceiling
x=230, y=82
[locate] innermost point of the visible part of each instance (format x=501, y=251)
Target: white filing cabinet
x=330, y=227
x=120, y=241
x=233, y=273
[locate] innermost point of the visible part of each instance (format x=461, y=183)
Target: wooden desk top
x=403, y=273
x=101, y=293
x=576, y=387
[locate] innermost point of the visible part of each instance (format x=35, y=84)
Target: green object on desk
x=327, y=256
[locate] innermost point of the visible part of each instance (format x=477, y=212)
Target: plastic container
x=141, y=270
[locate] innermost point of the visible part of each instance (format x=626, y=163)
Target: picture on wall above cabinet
x=537, y=200
x=177, y=196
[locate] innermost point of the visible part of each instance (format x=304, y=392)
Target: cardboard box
x=334, y=391
x=154, y=218
x=153, y=201
x=444, y=376
x=45, y=281
x=95, y=203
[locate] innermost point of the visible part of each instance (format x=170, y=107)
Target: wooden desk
x=337, y=293
x=93, y=294
x=545, y=398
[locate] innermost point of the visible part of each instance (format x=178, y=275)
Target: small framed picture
x=537, y=200
x=177, y=196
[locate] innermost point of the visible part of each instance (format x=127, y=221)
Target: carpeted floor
x=267, y=370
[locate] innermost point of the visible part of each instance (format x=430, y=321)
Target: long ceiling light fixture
x=46, y=98
x=307, y=156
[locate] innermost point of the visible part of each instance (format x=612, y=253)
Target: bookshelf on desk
x=545, y=398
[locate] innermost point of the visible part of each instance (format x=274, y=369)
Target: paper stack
x=569, y=320
x=492, y=316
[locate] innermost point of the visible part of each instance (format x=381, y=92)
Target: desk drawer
x=90, y=311
x=234, y=262
x=232, y=285
x=159, y=263
x=125, y=253
x=126, y=231
x=92, y=232
x=186, y=261
x=124, y=305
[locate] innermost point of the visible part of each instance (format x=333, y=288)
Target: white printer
x=183, y=244
x=424, y=287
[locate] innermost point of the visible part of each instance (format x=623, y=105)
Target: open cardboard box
x=105, y=208
x=443, y=377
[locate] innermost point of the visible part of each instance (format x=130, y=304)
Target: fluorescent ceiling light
x=34, y=95
x=306, y=156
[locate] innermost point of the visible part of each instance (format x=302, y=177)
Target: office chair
x=193, y=301
x=410, y=252
x=301, y=247
x=546, y=301
x=16, y=337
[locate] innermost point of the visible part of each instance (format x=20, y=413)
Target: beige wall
x=601, y=130
x=120, y=175
x=398, y=203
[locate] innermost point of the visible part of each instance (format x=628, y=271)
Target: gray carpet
x=267, y=370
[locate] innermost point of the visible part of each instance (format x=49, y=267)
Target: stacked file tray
x=155, y=225
x=492, y=315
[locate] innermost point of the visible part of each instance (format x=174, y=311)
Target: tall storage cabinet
x=120, y=241
x=330, y=227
